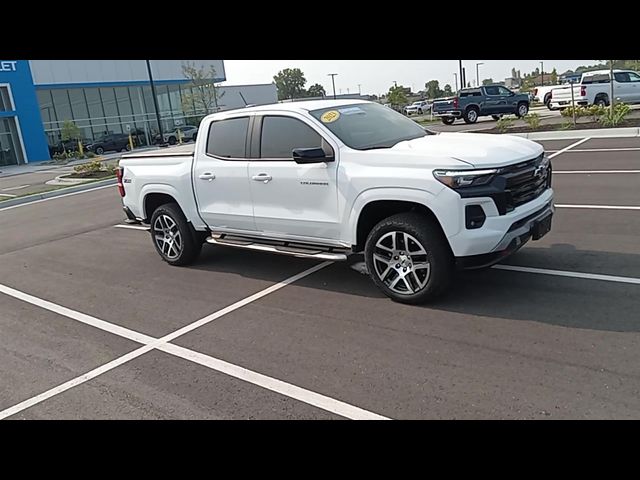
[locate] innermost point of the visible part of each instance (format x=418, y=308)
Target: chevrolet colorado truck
x=328, y=178
x=472, y=103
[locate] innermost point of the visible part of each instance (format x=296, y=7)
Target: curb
x=56, y=193
x=577, y=134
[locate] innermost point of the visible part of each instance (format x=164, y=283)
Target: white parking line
x=591, y=150
x=7, y=195
x=589, y=172
x=56, y=198
x=569, y=147
x=150, y=343
x=133, y=227
x=563, y=273
x=601, y=207
x=15, y=188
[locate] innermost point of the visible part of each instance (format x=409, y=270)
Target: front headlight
x=464, y=178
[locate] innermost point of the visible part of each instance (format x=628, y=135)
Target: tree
x=203, y=95
x=447, y=90
x=487, y=81
x=290, y=83
x=69, y=131
x=554, y=76
x=433, y=89
x=316, y=90
x=396, y=96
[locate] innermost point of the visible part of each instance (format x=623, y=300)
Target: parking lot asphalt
x=502, y=344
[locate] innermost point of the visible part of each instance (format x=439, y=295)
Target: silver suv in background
x=419, y=108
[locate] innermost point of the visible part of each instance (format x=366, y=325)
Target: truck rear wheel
x=448, y=120
x=173, y=237
x=470, y=115
x=409, y=259
x=602, y=100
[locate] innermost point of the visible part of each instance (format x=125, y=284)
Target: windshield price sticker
x=330, y=116
x=350, y=110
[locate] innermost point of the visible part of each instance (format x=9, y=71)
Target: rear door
x=220, y=177
x=634, y=87
x=291, y=199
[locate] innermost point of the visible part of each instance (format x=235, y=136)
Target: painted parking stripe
x=15, y=188
x=569, y=147
x=149, y=343
x=133, y=227
x=563, y=273
x=57, y=197
x=589, y=172
x=594, y=150
x=600, y=207
x=7, y=195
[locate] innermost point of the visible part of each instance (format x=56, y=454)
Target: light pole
x=332, y=75
x=359, y=92
x=456, y=77
x=542, y=72
x=462, y=84
x=155, y=104
x=477, y=74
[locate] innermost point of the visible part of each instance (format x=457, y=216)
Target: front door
x=291, y=199
x=220, y=178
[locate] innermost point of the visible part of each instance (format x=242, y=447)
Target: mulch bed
x=632, y=122
x=100, y=174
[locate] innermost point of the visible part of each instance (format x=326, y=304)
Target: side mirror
x=311, y=155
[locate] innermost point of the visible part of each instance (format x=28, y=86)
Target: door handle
x=207, y=176
x=263, y=177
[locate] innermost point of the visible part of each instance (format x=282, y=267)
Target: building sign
x=7, y=65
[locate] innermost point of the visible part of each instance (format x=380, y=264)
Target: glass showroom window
x=10, y=148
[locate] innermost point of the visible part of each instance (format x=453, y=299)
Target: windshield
x=365, y=126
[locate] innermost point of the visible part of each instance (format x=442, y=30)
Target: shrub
x=533, y=120
x=614, y=117
x=504, y=123
x=91, y=167
x=568, y=125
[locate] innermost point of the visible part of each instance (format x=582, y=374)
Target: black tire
x=437, y=251
x=602, y=100
x=496, y=117
x=470, y=115
x=522, y=109
x=191, y=243
x=99, y=150
x=448, y=120
x=194, y=136
x=547, y=101
x=172, y=140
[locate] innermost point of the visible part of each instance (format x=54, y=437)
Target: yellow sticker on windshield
x=330, y=116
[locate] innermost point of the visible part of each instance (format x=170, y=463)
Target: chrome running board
x=293, y=249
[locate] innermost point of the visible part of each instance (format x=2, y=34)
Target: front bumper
x=519, y=233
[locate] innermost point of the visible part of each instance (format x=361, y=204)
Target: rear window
x=227, y=138
x=599, y=78
x=470, y=93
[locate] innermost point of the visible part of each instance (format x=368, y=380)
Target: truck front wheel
x=408, y=258
x=175, y=240
x=522, y=110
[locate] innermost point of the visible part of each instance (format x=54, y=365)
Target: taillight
x=455, y=102
x=535, y=92
x=583, y=90
x=119, y=173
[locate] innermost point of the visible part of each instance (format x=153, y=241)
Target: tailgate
x=443, y=106
x=562, y=95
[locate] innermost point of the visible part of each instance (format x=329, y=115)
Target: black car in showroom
x=113, y=142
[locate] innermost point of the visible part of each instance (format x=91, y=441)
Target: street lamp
x=477, y=75
x=155, y=104
x=542, y=72
x=456, y=77
x=332, y=75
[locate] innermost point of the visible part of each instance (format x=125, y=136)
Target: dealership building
x=102, y=97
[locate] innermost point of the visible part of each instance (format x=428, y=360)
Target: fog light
x=474, y=216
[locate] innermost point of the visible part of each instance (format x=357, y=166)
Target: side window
x=492, y=90
x=504, y=91
x=280, y=135
x=621, y=77
x=633, y=77
x=227, y=138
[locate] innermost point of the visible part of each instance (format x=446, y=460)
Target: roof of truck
x=305, y=105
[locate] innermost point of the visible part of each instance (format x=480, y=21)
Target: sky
x=376, y=76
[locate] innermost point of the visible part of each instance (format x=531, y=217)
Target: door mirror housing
x=311, y=155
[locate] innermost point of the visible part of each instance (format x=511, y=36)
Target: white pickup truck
x=595, y=88
x=324, y=179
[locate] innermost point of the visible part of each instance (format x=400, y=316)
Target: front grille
x=525, y=182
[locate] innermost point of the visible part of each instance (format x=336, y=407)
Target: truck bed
x=178, y=150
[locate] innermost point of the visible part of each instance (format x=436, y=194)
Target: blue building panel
x=17, y=74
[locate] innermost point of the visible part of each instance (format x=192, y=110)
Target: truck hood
x=479, y=150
